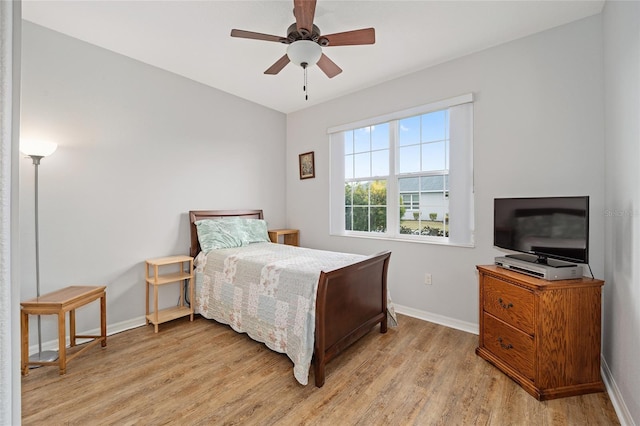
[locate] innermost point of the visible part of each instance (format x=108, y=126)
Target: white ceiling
x=191, y=38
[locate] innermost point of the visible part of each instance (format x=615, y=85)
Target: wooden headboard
x=195, y=215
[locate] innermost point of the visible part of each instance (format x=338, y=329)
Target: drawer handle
x=505, y=305
x=503, y=346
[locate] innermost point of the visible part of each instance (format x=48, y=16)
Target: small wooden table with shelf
x=59, y=303
x=291, y=236
x=184, y=264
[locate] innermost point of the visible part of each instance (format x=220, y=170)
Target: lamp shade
x=37, y=147
x=304, y=52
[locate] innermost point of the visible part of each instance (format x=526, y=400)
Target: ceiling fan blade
x=304, y=10
x=328, y=66
x=350, y=38
x=257, y=36
x=277, y=67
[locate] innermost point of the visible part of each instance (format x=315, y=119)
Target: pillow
x=255, y=231
x=217, y=234
x=250, y=230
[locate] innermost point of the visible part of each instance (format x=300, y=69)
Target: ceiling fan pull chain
x=304, y=86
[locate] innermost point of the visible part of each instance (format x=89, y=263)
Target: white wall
x=138, y=148
x=538, y=131
x=621, y=346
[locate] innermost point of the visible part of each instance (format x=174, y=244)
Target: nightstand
x=290, y=236
x=181, y=271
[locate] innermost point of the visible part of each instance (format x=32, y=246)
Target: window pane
x=378, y=219
x=424, y=206
x=348, y=194
x=348, y=142
x=366, y=206
x=409, y=159
x=361, y=139
x=362, y=166
x=406, y=229
x=434, y=126
x=409, y=207
x=378, y=193
x=409, y=197
x=380, y=163
x=432, y=183
x=415, y=201
x=380, y=136
x=409, y=131
x=409, y=184
x=348, y=166
x=436, y=213
x=360, y=219
x=360, y=195
x=433, y=156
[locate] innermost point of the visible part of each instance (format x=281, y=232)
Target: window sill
x=407, y=239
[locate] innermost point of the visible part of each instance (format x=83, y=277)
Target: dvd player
x=552, y=271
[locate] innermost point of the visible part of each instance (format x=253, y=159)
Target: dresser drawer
x=512, y=304
x=509, y=344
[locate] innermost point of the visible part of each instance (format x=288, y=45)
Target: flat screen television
x=548, y=227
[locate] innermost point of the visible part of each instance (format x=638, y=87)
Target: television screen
x=555, y=227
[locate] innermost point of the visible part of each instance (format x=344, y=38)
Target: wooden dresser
x=545, y=335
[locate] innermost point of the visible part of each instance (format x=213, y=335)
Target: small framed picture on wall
x=307, y=165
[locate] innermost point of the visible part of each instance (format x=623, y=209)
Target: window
x=407, y=175
x=410, y=201
x=366, y=162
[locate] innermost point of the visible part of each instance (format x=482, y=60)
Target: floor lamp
x=37, y=150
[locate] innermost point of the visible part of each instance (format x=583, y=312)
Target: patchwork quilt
x=269, y=292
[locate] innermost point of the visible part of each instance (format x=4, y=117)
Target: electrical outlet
x=427, y=278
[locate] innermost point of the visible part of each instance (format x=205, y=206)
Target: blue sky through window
x=367, y=151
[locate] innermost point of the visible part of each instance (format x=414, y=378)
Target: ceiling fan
x=306, y=42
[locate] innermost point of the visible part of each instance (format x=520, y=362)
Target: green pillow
x=250, y=230
x=218, y=234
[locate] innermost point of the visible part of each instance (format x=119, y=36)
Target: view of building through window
x=407, y=157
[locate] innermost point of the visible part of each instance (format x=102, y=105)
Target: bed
x=346, y=300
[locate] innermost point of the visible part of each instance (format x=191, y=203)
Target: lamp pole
x=46, y=356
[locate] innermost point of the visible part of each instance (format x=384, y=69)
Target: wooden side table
x=59, y=303
x=184, y=273
x=291, y=236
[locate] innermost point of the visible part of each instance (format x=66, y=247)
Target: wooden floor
x=204, y=373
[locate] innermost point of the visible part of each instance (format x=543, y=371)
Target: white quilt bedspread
x=269, y=292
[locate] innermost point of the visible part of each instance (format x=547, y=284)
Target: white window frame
x=461, y=204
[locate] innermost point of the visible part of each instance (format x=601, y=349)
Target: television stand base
x=554, y=270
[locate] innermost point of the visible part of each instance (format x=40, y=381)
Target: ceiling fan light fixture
x=304, y=52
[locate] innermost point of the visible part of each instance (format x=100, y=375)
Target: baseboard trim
x=52, y=345
x=140, y=321
x=438, y=319
x=614, y=395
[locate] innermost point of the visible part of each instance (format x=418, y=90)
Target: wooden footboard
x=350, y=301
